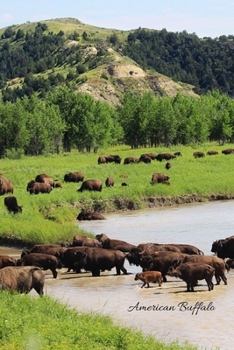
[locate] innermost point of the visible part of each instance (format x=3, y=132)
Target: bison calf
x=11, y=204
x=149, y=276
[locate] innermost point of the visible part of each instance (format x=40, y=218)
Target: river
x=168, y=312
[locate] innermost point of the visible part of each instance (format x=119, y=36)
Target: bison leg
x=95, y=273
x=39, y=288
x=54, y=272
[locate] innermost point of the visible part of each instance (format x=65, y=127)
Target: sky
x=205, y=18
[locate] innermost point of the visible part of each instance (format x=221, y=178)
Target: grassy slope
x=50, y=218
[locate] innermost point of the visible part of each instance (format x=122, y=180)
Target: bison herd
x=96, y=255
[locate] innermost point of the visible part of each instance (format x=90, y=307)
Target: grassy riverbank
x=28, y=322
x=51, y=218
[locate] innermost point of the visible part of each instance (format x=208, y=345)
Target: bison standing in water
x=22, y=279
x=88, y=215
x=149, y=276
x=11, y=204
x=91, y=185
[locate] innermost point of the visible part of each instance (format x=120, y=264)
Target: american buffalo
x=5, y=186
x=101, y=160
x=199, y=154
x=75, y=176
x=212, y=153
x=224, y=248
x=149, y=276
x=117, y=244
x=22, y=279
x=150, y=155
x=109, y=182
x=51, y=249
x=165, y=156
x=34, y=187
x=91, y=185
x=192, y=272
x=69, y=257
x=6, y=260
x=178, y=154
x=11, y=204
x=44, y=261
x=85, y=241
x=145, y=159
x=228, y=151
x=129, y=160
x=168, y=165
x=99, y=259
x=44, y=178
x=88, y=215
x=113, y=158
x=160, y=178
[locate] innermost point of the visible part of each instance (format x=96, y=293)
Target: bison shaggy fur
x=11, y=204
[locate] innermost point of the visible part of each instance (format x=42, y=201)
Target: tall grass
x=28, y=322
x=51, y=218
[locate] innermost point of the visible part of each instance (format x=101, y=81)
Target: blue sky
x=211, y=18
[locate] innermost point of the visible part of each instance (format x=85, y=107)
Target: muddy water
x=202, y=318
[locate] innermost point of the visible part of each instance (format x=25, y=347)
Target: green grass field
x=51, y=218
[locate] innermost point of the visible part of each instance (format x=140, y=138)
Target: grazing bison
x=150, y=155
x=217, y=263
x=198, y=154
x=228, y=151
x=178, y=154
x=168, y=165
x=34, y=187
x=149, y=276
x=99, y=259
x=22, y=279
x=6, y=260
x=44, y=178
x=88, y=215
x=75, y=176
x=212, y=153
x=85, y=241
x=129, y=160
x=224, y=248
x=160, y=178
x=192, y=272
x=101, y=160
x=91, y=185
x=145, y=159
x=109, y=182
x=113, y=158
x=44, y=261
x=165, y=156
x=5, y=186
x=124, y=184
x=11, y=204
x=116, y=244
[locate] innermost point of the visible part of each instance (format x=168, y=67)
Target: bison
x=44, y=178
x=101, y=160
x=91, y=185
x=165, y=156
x=6, y=260
x=160, y=178
x=129, y=160
x=22, y=279
x=228, y=151
x=212, y=153
x=88, y=215
x=113, y=158
x=145, y=159
x=192, y=272
x=34, y=187
x=224, y=248
x=150, y=155
x=109, y=182
x=44, y=261
x=99, y=259
x=85, y=241
x=51, y=249
x=75, y=176
x=168, y=165
x=199, y=154
x=178, y=154
x=69, y=258
x=116, y=244
x=11, y=204
x=5, y=186
x=149, y=276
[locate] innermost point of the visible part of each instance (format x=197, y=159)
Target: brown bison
x=44, y=178
x=192, y=272
x=34, y=187
x=91, y=185
x=116, y=244
x=149, y=276
x=75, y=176
x=113, y=159
x=88, y=215
x=51, y=249
x=101, y=160
x=124, y=184
x=6, y=260
x=168, y=165
x=165, y=156
x=5, y=186
x=160, y=178
x=85, y=241
x=145, y=159
x=224, y=248
x=44, y=261
x=228, y=151
x=178, y=154
x=99, y=259
x=11, y=204
x=212, y=153
x=150, y=155
x=109, y=182
x=129, y=160
x=22, y=279
x=198, y=154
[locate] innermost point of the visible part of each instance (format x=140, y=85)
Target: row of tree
x=66, y=120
